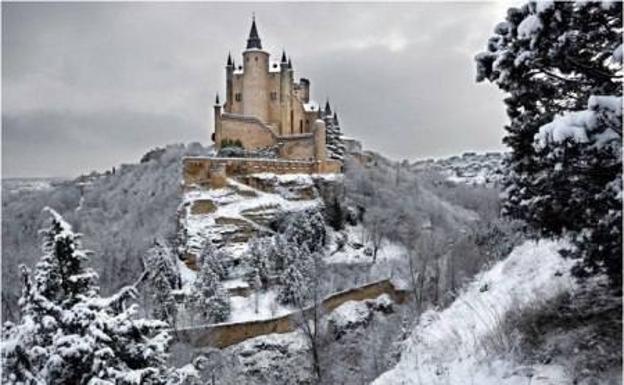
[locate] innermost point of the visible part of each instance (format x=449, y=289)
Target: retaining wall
x=223, y=335
x=211, y=172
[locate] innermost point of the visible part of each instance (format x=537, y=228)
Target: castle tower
x=217, y=121
x=285, y=97
x=255, y=81
x=229, y=86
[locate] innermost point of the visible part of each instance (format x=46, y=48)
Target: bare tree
x=308, y=320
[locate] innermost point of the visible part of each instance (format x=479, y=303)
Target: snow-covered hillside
x=120, y=215
x=470, y=168
x=465, y=343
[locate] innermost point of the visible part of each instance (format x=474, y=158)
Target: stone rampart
x=224, y=335
x=211, y=172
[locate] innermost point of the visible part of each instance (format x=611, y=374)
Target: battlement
x=210, y=172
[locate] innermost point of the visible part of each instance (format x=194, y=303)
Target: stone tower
x=265, y=108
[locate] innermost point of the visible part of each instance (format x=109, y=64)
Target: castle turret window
x=238, y=97
x=274, y=95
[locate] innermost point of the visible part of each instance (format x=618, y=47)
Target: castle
x=266, y=108
x=269, y=122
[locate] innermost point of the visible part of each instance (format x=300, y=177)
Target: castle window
x=256, y=58
x=274, y=95
x=238, y=97
x=301, y=126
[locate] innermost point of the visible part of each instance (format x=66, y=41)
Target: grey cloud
x=92, y=85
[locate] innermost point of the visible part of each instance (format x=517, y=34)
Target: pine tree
x=163, y=279
x=333, y=134
x=68, y=334
x=306, y=228
x=209, y=298
x=258, y=260
x=216, y=259
x=279, y=253
x=561, y=63
x=296, y=279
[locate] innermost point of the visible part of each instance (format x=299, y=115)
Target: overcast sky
x=86, y=86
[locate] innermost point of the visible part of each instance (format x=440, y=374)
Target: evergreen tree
x=338, y=217
x=68, y=334
x=299, y=273
x=279, y=253
x=258, y=259
x=561, y=63
x=209, y=298
x=306, y=228
x=215, y=258
x=333, y=135
x=163, y=279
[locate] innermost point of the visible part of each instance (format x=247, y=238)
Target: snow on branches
x=560, y=63
x=68, y=334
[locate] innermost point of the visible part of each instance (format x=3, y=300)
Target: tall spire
x=328, y=110
x=254, y=39
x=284, y=56
x=229, y=60
x=217, y=100
x=289, y=64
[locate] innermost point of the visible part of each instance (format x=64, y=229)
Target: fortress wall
x=297, y=147
x=224, y=335
x=251, y=132
x=212, y=172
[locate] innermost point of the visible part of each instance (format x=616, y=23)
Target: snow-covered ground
x=244, y=308
x=18, y=185
x=233, y=201
x=464, y=343
x=469, y=168
x=356, y=249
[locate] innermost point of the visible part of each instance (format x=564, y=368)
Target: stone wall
x=297, y=147
x=252, y=133
x=210, y=172
x=224, y=335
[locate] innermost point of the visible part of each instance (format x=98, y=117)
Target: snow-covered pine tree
x=291, y=286
x=68, y=334
x=333, y=134
x=214, y=257
x=258, y=260
x=301, y=269
x=279, y=253
x=306, y=228
x=561, y=65
x=163, y=279
x=209, y=298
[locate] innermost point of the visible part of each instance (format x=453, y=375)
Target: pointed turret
x=335, y=118
x=289, y=64
x=254, y=38
x=230, y=63
x=284, y=61
x=327, y=110
x=217, y=100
